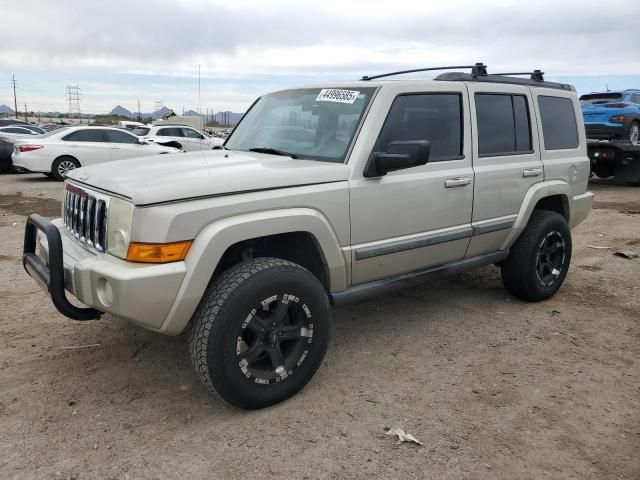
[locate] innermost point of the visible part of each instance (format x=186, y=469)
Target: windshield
x=310, y=123
x=599, y=98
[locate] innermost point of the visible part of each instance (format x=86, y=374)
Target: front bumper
x=604, y=131
x=139, y=293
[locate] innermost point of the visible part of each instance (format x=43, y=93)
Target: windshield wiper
x=273, y=151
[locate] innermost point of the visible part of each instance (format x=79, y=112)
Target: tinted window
x=188, y=132
x=503, y=124
x=433, y=117
x=88, y=135
x=140, y=131
x=116, y=136
x=16, y=130
x=170, y=132
x=559, y=126
x=599, y=98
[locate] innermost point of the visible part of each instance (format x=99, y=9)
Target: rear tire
x=260, y=332
x=63, y=165
x=539, y=260
x=634, y=133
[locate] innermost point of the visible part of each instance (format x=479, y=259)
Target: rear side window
x=88, y=135
x=170, y=132
x=559, y=126
x=140, y=131
x=503, y=124
x=436, y=117
x=115, y=136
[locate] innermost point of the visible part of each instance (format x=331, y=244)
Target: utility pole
x=15, y=100
x=26, y=115
x=139, y=116
x=73, y=97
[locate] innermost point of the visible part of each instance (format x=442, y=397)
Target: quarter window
x=504, y=127
x=436, y=117
x=87, y=135
x=559, y=126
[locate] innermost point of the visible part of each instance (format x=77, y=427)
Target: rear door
x=506, y=160
x=168, y=134
x=88, y=145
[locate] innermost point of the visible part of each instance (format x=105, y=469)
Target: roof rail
x=537, y=75
x=479, y=73
x=502, y=78
x=477, y=69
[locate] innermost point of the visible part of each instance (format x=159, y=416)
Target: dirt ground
x=494, y=387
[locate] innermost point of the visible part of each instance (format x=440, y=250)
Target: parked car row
x=58, y=152
x=54, y=151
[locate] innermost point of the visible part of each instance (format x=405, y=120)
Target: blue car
x=612, y=115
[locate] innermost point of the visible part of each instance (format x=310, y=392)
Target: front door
x=421, y=216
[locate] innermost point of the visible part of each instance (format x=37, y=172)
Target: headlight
x=119, y=227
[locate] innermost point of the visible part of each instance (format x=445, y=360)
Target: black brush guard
x=51, y=276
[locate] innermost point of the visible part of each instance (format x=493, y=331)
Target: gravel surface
x=493, y=387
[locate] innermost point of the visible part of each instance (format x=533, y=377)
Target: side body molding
x=536, y=193
x=211, y=243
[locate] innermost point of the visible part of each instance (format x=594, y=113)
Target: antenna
x=15, y=101
x=199, y=102
x=476, y=70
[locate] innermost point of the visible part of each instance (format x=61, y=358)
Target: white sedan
x=179, y=136
x=57, y=152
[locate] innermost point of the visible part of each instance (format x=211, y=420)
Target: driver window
x=436, y=117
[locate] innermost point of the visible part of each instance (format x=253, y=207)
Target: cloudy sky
x=118, y=51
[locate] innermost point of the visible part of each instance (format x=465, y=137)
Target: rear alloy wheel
x=634, y=133
x=260, y=332
x=62, y=166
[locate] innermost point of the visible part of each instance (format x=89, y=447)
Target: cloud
x=285, y=37
x=233, y=41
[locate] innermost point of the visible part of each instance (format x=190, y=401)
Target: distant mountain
x=123, y=112
x=5, y=109
x=230, y=117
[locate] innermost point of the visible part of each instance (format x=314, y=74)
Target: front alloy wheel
x=274, y=339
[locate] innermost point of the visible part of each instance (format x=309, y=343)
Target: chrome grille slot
x=85, y=216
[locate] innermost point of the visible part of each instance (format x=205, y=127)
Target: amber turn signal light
x=158, y=252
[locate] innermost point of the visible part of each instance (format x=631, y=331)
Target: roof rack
x=479, y=73
x=477, y=69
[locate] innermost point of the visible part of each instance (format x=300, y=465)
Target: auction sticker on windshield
x=335, y=95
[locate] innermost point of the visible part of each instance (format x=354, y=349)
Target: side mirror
x=400, y=155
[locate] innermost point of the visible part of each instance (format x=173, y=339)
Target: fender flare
x=536, y=193
x=214, y=240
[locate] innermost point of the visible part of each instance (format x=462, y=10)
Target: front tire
x=260, y=332
x=539, y=260
x=63, y=165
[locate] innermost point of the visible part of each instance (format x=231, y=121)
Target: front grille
x=85, y=216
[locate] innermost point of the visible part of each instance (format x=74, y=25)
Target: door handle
x=115, y=148
x=457, y=182
x=532, y=172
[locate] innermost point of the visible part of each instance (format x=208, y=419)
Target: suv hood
x=171, y=177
